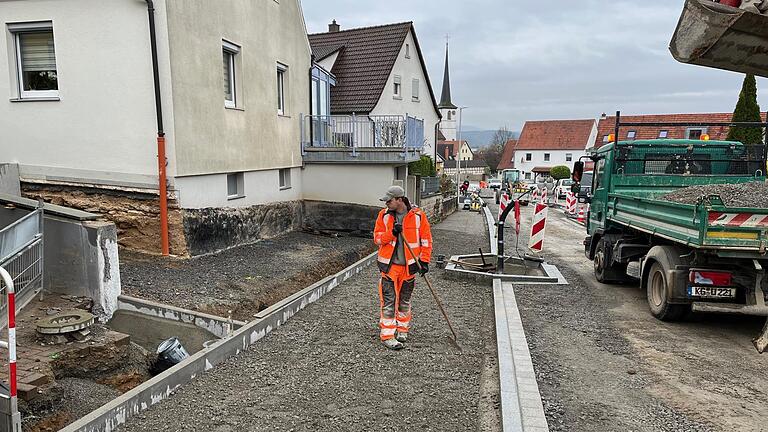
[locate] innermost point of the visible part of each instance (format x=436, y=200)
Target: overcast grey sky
x=516, y=60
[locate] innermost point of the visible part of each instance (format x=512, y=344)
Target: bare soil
x=240, y=281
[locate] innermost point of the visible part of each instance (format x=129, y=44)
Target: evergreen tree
x=747, y=110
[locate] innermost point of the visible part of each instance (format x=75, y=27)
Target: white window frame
x=233, y=50
x=282, y=74
x=16, y=30
x=239, y=185
x=547, y=157
x=631, y=134
x=691, y=129
x=569, y=157
x=415, y=89
x=663, y=134
x=284, y=178
x=407, y=50
x=398, y=87
x=605, y=138
x=528, y=157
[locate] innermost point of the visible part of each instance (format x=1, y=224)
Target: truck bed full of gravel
x=752, y=194
x=243, y=280
x=325, y=369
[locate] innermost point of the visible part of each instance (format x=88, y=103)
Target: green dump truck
x=700, y=256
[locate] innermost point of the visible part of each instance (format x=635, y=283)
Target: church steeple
x=445, y=97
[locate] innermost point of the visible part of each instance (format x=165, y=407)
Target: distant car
x=586, y=185
x=562, y=187
x=494, y=183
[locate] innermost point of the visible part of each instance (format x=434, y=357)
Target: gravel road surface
x=752, y=194
x=325, y=369
x=603, y=363
x=244, y=279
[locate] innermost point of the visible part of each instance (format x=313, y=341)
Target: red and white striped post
x=536, y=243
x=503, y=202
x=14, y=419
x=544, y=195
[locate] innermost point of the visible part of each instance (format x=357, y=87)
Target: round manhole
x=65, y=322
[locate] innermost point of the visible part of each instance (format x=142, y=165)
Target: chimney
x=333, y=27
x=603, y=116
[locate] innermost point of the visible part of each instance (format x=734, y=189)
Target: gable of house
x=607, y=126
x=556, y=135
x=507, y=157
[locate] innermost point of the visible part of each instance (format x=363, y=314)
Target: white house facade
x=546, y=144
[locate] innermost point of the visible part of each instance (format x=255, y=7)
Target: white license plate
x=711, y=292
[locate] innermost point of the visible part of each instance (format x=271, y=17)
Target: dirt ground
x=603, y=363
x=242, y=280
x=325, y=369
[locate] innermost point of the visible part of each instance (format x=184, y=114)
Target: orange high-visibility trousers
x=395, y=290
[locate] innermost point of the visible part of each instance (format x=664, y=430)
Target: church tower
x=449, y=123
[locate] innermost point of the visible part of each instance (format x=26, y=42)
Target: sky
x=516, y=60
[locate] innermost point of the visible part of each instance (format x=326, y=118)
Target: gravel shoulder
x=603, y=363
x=242, y=280
x=325, y=370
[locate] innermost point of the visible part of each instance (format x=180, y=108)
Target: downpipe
x=161, y=157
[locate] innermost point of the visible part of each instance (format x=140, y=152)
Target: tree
x=424, y=167
x=560, y=172
x=492, y=153
x=747, y=110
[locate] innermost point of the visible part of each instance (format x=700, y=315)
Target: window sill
x=283, y=115
x=282, y=188
x=235, y=197
x=415, y=100
x=234, y=108
x=397, y=97
x=34, y=99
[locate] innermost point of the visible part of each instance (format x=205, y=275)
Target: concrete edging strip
x=118, y=411
x=490, y=222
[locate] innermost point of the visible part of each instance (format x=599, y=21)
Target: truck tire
x=607, y=271
x=657, y=288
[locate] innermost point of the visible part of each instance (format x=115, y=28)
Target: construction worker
x=399, y=220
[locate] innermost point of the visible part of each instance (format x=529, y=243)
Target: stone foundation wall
x=438, y=208
x=136, y=215
x=334, y=216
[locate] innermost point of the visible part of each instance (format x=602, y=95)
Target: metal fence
x=353, y=131
x=21, y=254
x=430, y=186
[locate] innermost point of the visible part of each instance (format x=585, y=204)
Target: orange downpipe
x=163, y=195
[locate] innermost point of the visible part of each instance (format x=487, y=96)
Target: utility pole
x=458, y=160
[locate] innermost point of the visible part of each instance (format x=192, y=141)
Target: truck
x=512, y=183
x=701, y=256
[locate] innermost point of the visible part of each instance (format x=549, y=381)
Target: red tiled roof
x=607, y=126
x=555, y=135
x=507, y=156
x=366, y=58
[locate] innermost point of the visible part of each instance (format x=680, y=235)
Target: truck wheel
x=658, y=288
x=607, y=271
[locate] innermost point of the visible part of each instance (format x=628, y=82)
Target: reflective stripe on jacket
x=416, y=231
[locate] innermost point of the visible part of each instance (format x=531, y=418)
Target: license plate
x=711, y=292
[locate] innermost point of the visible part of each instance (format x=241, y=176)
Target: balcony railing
x=352, y=132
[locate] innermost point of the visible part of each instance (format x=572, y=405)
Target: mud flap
x=761, y=343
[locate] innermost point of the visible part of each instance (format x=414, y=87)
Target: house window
x=37, y=74
x=631, y=134
x=235, y=185
x=568, y=157
x=230, y=52
x=449, y=115
x=528, y=176
x=605, y=138
x=415, y=89
x=282, y=71
x=398, y=87
x=546, y=157
x=694, y=133
x=285, y=178
x=407, y=50
x=663, y=134
x=528, y=157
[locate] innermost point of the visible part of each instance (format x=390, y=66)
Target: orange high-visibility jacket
x=416, y=231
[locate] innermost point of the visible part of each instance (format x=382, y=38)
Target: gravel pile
x=325, y=369
x=83, y=396
x=752, y=194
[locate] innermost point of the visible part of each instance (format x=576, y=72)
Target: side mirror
x=578, y=171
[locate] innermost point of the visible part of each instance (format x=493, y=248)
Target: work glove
x=397, y=229
x=424, y=267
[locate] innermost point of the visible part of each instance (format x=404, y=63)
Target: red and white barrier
x=535, y=195
x=536, y=243
x=544, y=196
x=503, y=203
x=11, y=347
x=570, y=203
x=580, y=219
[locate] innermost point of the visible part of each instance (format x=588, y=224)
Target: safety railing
x=361, y=131
x=21, y=255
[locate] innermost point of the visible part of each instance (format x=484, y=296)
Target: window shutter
x=37, y=52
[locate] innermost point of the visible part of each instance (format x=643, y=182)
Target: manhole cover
x=65, y=322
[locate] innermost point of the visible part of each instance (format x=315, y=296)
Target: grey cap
x=393, y=192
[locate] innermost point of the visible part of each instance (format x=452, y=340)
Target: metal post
x=13, y=423
x=354, y=135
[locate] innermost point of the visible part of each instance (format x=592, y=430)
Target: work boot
x=402, y=337
x=392, y=344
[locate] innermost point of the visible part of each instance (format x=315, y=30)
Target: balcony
x=361, y=139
